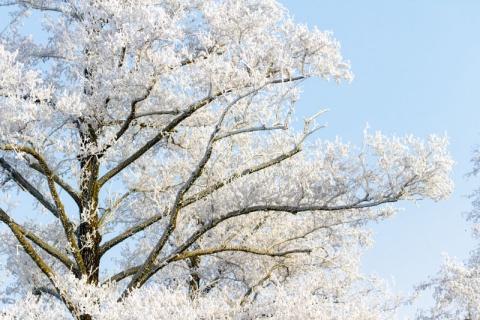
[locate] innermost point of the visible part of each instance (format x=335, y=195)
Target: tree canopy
x=157, y=143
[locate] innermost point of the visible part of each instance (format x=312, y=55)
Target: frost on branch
x=456, y=291
x=456, y=287
x=155, y=142
x=177, y=304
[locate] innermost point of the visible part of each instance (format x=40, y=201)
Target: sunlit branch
x=138, y=228
x=157, y=113
x=255, y=251
x=141, y=115
x=28, y=97
x=62, y=183
x=139, y=278
x=42, y=244
x=130, y=118
x=214, y=50
x=123, y=54
x=27, y=247
x=67, y=226
x=130, y=232
x=176, y=121
x=236, y=176
x=249, y=130
x=134, y=230
x=302, y=236
x=260, y=282
x=262, y=208
x=359, y=204
x=201, y=252
x=124, y=274
x=274, y=161
x=25, y=185
x=285, y=80
x=114, y=206
x=35, y=6
x=141, y=151
x=131, y=271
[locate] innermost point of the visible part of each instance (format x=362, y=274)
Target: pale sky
x=416, y=65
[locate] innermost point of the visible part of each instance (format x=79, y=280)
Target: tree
x=160, y=134
x=456, y=287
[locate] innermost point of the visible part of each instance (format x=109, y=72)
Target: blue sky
x=416, y=66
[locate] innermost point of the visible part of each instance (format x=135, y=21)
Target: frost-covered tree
x=155, y=140
x=456, y=287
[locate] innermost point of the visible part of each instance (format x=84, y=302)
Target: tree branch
x=25, y=185
x=130, y=118
x=202, y=252
x=67, y=226
x=42, y=244
x=40, y=290
x=248, y=210
x=196, y=253
x=139, y=278
x=123, y=274
x=62, y=183
x=240, y=212
x=157, y=113
x=27, y=247
x=172, y=125
x=113, y=206
x=140, y=152
x=32, y=5
x=128, y=233
x=236, y=176
x=260, y=282
x=248, y=130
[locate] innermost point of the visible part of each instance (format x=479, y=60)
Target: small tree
x=158, y=133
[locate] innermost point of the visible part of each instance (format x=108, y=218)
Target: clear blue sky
x=416, y=66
